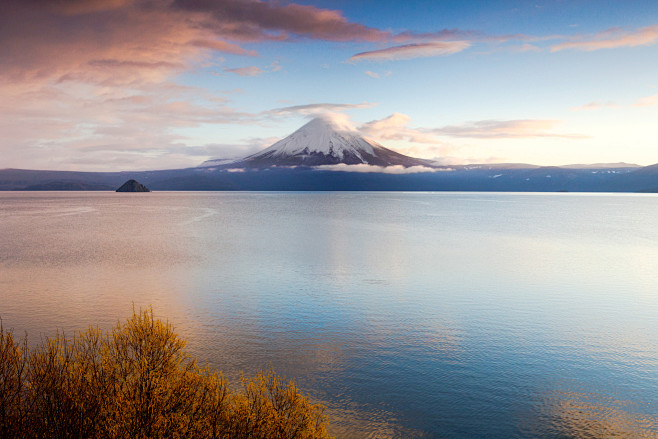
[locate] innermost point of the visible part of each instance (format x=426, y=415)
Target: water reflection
x=582, y=415
x=408, y=315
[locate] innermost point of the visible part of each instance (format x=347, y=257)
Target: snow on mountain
x=216, y=162
x=321, y=136
x=324, y=141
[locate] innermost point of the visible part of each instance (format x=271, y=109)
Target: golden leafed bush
x=137, y=381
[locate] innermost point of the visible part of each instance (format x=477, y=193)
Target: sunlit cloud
x=396, y=127
x=414, y=50
x=430, y=142
x=411, y=141
x=254, y=20
x=610, y=39
x=42, y=39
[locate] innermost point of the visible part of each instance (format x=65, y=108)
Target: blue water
x=449, y=315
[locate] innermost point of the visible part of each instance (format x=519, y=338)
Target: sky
x=108, y=85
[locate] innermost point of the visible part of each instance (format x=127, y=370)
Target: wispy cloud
x=246, y=71
x=435, y=142
x=107, y=127
x=648, y=101
x=497, y=129
x=376, y=75
x=595, y=106
x=317, y=109
x=610, y=39
x=414, y=50
x=222, y=46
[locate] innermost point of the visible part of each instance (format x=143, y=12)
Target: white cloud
x=377, y=169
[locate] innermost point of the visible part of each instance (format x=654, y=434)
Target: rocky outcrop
x=133, y=186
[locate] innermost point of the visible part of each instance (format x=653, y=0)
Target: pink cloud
x=611, y=39
x=78, y=7
x=255, y=20
x=121, y=41
x=415, y=50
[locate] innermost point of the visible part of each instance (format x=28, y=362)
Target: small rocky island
x=133, y=186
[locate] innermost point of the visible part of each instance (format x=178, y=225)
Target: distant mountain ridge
x=455, y=178
x=325, y=155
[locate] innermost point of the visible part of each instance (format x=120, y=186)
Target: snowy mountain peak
x=326, y=140
x=322, y=136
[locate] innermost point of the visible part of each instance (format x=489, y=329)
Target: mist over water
x=407, y=314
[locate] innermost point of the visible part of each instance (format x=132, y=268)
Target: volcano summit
x=322, y=141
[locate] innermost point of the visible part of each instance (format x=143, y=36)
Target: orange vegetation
x=137, y=381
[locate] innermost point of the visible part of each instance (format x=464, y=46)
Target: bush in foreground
x=137, y=381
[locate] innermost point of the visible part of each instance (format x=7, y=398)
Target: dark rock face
x=133, y=186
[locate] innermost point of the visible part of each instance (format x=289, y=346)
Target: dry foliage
x=137, y=381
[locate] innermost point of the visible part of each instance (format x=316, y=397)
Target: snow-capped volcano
x=323, y=141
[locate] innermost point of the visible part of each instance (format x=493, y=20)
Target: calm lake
x=447, y=315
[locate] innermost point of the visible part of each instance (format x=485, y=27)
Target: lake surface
x=448, y=315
